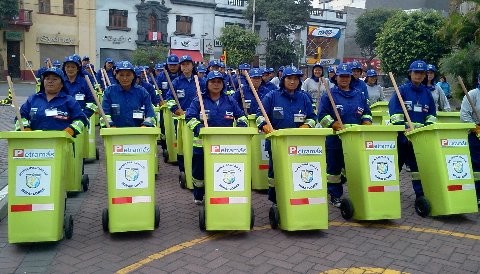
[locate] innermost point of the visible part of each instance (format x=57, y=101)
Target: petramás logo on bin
x=131, y=149
x=33, y=153
x=131, y=174
x=228, y=149
x=306, y=176
x=453, y=142
x=305, y=150
x=458, y=167
x=380, y=145
x=229, y=176
x=33, y=181
x=382, y=168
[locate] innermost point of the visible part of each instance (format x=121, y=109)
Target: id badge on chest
x=248, y=103
x=207, y=112
x=164, y=85
x=298, y=118
x=51, y=112
x=137, y=114
x=417, y=108
x=79, y=97
x=180, y=93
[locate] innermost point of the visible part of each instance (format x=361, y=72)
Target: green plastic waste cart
x=448, y=117
x=445, y=167
x=227, y=166
x=185, y=144
x=299, y=164
x=77, y=181
x=130, y=160
x=379, y=106
x=380, y=117
x=259, y=157
x=37, y=175
x=169, y=156
x=371, y=165
x=91, y=150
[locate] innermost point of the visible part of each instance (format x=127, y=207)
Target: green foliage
x=410, y=36
x=149, y=55
x=239, y=43
x=465, y=63
x=282, y=52
x=368, y=25
x=8, y=10
x=461, y=29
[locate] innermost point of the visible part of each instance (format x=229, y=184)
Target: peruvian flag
x=154, y=36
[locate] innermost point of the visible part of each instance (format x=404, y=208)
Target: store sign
x=56, y=39
x=186, y=43
x=324, y=32
x=14, y=36
x=208, y=46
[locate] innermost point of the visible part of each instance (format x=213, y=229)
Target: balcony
x=24, y=18
x=238, y=3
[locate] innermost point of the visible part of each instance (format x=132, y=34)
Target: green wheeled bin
x=380, y=117
x=379, y=106
x=169, y=156
x=299, y=164
x=185, y=144
x=37, y=172
x=227, y=165
x=259, y=157
x=130, y=159
x=445, y=168
x=78, y=181
x=91, y=150
x=371, y=165
x=448, y=117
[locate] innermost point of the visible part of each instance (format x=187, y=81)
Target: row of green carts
x=42, y=167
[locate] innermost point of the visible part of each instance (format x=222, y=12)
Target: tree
x=239, y=44
x=282, y=52
x=464, y=62
x=149, y=55
x=369, y=24
x=462, y=29
x=410, y=36
x=8, y=10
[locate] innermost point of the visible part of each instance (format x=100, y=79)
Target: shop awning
x=195, y=54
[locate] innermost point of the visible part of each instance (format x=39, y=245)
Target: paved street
x=411, y=244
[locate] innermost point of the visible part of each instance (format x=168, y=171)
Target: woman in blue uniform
x=221, y=111
x=289, y=107
x=251, y=104
x=353, y=109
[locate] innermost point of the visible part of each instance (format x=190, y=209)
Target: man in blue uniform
x=251, y=104
x=357, y=83
x=127, y=104
x=147, y=86
x=109, y=68
x=266, y=80
x=353, y=108
x=289, y=107
x=422, y=111
x=221, y=111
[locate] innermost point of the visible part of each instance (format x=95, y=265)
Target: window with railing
x=44, y=6
x=69, y=7
x=117, y=19
x=238, y=3
x=184, y=25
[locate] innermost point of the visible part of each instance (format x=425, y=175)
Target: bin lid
x=130, y=131
x=301, y=132
x=378, y=104
x=228, y=131
x=252, y=117
x=449, y=114
x=36, y=134
x=379, y=112
x=442, y=126
x=370, y=128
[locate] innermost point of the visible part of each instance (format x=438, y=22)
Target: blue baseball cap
x=244, y=66
x=331, y=69
x=159, y=66
x=371, y=73
x=125, y=65
x=255, y=72
x=54, y=70
x=431, y=67
x=214, y=74
x=344, y=69
x=172, y=60
x=109, y=60
x=201, y=68
x=418, y=65
x=185, y=58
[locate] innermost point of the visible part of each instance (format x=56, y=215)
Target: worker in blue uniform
x=251, y=104
x=52, y=108
x=353, y=109
x=109, y=67
x=201, y=70
x=126, y=104
x=357, y=83
x=140, y=80
x=266, y=80
x=289, y=107
x=77, y=86
x=422, y=111
x=221, y=111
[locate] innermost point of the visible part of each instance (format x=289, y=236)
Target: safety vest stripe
x=263, y=166
x=383, y=188
x=131, y=200
x=461, y=187
x=32, y=207
x=308, y=201
x=228, y=200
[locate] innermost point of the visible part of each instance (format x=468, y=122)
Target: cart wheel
x=68, y=226
x=346, y=209
x=165, y=156
x=182, y=178
x=422, y=206
x=85, y=182
x=252, y=218
x=97, y=154
x=157, y=216
x=273, y=216
x=105, y=219
x=201, y=219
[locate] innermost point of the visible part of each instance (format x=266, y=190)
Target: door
x=13, y=59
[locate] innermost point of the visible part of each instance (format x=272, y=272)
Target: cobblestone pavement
x=411, y=244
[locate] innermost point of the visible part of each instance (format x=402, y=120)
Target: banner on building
x=324, y=32
x=154, y=36
x=186, y=43
x=208, y=46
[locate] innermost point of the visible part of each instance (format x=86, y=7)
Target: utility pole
x=253, y=20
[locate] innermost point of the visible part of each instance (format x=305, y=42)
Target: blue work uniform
x=220, y=113
x=185, y=89
x=80, y=90
x=110, y=75
x=422, y=111
x=284, y=110
x=128, y=108
x=250, y=102
x=269, y=85
x=360, y=86
x=353, y=109
x=154, y=97
x=59, y=113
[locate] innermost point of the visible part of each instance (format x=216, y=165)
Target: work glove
x=366, y=122
x=241, y=124
x=337, y=126
x=70, y=131
x=267, y=129
x=304, y=126
x=196, y=130
x=147, y=124
x=477, y=130
x=162, y=103
x=179, y=112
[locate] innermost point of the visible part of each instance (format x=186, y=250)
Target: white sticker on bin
x=380, y=145
x=131, y=149
x=453, y=142
x=32, y=207
x=39, y=153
